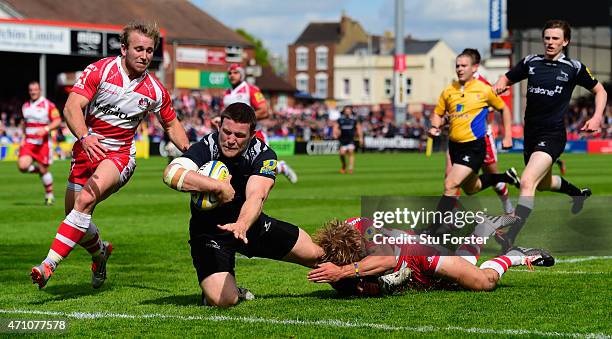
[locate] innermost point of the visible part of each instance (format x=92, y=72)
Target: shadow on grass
x=68, y=291
x=30, y=203
x=195, y=299
x=176, y=300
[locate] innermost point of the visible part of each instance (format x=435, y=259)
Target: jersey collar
x=126, y=78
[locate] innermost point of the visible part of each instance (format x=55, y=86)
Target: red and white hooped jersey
x=38, y=114
x=117, y=104
x=245, y=93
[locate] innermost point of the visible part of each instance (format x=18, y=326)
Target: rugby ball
x=206, y=200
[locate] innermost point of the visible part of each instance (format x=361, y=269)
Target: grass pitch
x=152, y=287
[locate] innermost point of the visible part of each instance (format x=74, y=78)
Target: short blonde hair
x=148, y=29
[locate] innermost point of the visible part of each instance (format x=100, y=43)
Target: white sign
x=34, y=39
x=192, y=55
x=322, y=147
x=391, y=143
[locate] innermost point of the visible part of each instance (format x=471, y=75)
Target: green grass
x=150, y=271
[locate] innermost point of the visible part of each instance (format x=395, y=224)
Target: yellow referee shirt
x=467, y=107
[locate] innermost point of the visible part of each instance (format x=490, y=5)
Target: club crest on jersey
x=269, y=167
x=143, y=104
x=563, y=77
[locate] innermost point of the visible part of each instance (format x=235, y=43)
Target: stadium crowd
x=305, y=122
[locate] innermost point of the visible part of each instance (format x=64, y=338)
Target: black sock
x=569, y=189
x=490, y=179
x=445, y=204
x=523, y=212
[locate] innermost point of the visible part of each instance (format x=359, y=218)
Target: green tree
x=261, y=53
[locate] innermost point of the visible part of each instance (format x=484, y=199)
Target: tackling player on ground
x=103, y=111
x=551, y=79
x=242, y=91
x=238, y=224
x=41, y=117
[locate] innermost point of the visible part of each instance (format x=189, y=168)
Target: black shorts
x=268, y=238
x=347, y=142
x=470, y=154
x=551, y=143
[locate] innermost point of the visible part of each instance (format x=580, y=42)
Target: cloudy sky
x=461, y=23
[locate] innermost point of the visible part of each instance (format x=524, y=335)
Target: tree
x=261, y=53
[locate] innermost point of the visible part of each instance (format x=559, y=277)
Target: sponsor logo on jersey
x=269, y=167
x=267, y=225
x=544, y=91
x=114, y=110
x=466, y=158
x=531, y=70
x=258, y=96
x=459, y=107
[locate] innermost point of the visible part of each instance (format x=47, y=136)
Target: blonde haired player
x=103, y=111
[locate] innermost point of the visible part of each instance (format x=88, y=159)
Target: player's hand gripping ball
x=213, y=169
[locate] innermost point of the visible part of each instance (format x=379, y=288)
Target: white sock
x=502, y=263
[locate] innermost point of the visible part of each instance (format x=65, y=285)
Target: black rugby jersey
x=549, y=88
x=257, y=159
x=348, y=128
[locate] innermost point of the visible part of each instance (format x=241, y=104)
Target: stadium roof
x=320, y=32
x=411, y=46
x=181, y=20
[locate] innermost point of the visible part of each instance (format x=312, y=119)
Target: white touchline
x=591, y=258
x=545, y=271
x=326, y=322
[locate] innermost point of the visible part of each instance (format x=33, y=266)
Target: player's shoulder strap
x=532, y=57
x=575, y=64
x=210, y=142
x=255, y=149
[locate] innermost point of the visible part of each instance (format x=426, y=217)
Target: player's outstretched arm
x=257, y=190
x=176, y=133
x=601, y=97
x=379, y=261
x=75, y=119
x=181, y=175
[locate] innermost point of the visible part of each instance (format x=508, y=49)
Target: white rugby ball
x=213, y=169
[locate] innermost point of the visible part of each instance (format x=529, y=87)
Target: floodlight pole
x=399, y=68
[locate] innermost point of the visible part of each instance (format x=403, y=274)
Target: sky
x=278, y=23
